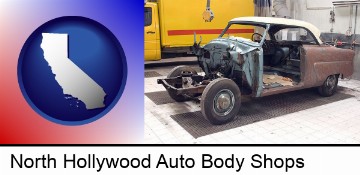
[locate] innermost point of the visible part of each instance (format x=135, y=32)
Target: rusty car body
x=288, y=55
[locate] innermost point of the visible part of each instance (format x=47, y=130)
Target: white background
x=318, y=160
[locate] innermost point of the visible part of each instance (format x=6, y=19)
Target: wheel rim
x=331, y=82
x=224, y=102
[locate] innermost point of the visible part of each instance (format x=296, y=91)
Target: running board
x=281, y=89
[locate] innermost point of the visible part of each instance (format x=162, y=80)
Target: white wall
x=319, y=15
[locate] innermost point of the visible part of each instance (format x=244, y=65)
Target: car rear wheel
x=175, y=72
x=220, y=101
x=328, y=88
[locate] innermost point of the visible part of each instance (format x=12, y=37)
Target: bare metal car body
x=302, y=63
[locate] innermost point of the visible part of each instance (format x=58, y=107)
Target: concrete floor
x=336, y=123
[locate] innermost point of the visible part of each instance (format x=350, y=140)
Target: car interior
x=282, y=56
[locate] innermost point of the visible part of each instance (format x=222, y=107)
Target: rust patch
x=321, y=61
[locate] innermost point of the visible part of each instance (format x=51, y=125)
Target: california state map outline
x=73, y=81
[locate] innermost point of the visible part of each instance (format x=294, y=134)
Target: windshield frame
x=265, y=26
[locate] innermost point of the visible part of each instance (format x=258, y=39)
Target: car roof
x=280, y=21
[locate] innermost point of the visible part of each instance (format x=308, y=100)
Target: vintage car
x=288, y=55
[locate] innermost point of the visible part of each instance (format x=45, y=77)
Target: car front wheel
x=220, y=101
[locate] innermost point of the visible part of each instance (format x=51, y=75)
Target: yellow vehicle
x=170, y=24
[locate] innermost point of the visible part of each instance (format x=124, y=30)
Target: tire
x=176, y=71
x=328, y=88
x=220, y=89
